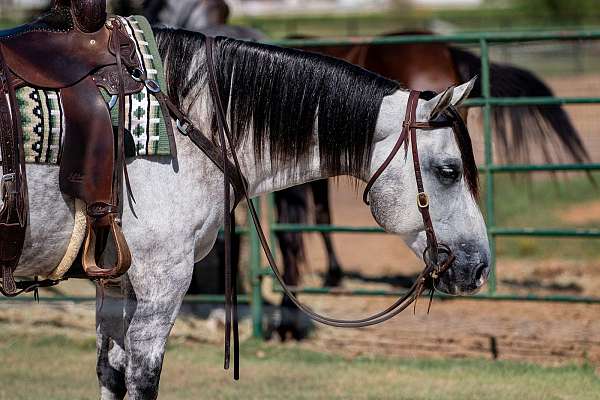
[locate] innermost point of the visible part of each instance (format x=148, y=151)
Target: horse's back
x=418, y=66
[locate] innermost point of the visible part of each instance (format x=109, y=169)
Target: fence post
x=256, y=304
x=489, y=159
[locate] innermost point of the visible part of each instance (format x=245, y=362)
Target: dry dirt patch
x=581, y=214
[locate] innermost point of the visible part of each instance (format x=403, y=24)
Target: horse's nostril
x=481, y=273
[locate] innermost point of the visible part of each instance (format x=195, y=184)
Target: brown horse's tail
x=533, y=128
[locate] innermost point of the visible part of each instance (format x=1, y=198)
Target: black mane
x=281, y=94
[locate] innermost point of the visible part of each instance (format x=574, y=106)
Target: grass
x=57, y=368
x=539, y=203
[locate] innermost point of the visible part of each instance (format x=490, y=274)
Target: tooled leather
x=89, y=15
x=13, y=215
x=58, y=19
x=126, y=47
x=33, y=56
x=108, y=79
x=86, y=16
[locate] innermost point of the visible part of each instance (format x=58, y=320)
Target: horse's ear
x=434, y=107
x=453, y=96
x=461, y=93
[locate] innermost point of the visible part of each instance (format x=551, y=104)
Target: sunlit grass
x=56, y=368
x=540, y=204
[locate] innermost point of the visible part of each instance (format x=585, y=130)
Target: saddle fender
x=87, y=174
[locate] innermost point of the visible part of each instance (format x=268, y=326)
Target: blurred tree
x=401, y=5
x=558, y=10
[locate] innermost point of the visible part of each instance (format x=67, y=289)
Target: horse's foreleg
x=111, y=359
x=151, y=307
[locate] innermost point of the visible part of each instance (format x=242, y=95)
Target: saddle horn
x=88, y=15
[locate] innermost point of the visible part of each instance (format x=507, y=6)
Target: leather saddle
x=75, y=49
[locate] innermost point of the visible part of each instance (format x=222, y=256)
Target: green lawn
x=539, y=203
x=56, y=368
x=375, y=23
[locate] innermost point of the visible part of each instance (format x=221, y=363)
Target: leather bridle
x=409, y=135
x=434, y=265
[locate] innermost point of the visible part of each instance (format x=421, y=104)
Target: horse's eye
x=448, y=173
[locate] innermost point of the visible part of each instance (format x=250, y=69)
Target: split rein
x=233, y=176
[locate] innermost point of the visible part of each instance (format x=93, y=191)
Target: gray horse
x=296, y=117
x=210, y=17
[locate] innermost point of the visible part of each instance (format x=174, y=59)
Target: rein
x=233, y=175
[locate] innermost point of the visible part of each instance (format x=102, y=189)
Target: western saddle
x=74, y=48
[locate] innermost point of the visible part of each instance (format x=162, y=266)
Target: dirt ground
x=548, y=333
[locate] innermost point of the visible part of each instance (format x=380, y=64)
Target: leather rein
x=232, y=175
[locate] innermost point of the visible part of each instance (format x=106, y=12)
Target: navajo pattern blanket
x=42, y=115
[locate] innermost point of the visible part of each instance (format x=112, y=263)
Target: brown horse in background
x=430, y=67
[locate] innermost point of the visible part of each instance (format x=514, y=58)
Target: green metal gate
x=257, y=271
x=489, y=168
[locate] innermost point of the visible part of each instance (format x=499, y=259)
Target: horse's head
x=449, y=179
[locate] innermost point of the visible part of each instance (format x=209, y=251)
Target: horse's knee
x=146, y=341
x=151, y=306
x=143, y=376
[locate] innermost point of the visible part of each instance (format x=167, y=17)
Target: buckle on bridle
x=183, y=127
x=422, y=200
x=7, y=184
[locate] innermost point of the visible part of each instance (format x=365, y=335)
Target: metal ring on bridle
x=112, y=102
x=137, y=74
x=152, y=86
x=441, y=249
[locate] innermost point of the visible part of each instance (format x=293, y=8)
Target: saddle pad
x=43, y=120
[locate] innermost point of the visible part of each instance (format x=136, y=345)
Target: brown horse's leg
x=292, y=207
x=320, y=191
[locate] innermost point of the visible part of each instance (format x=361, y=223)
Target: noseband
x=233, y=176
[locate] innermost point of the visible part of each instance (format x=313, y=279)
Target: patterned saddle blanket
x=42, y=115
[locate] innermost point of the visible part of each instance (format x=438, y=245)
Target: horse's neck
x=264, y=179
